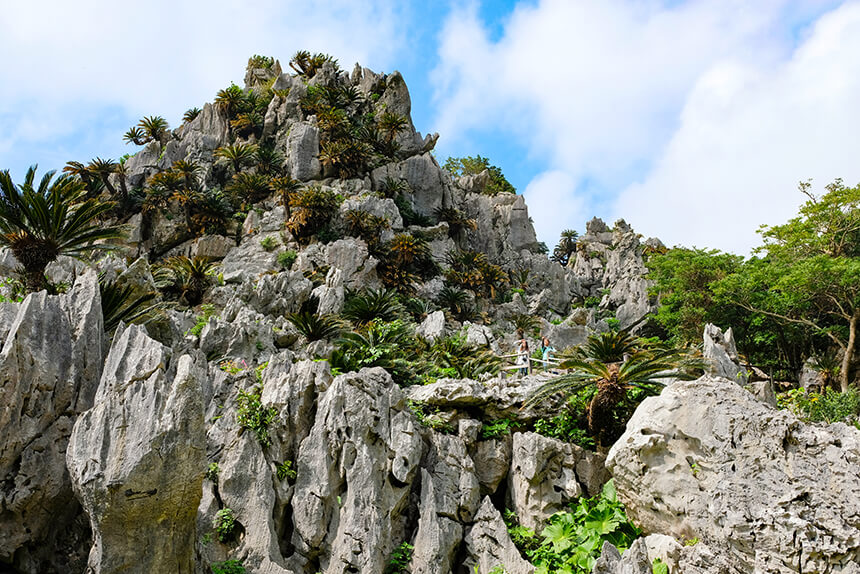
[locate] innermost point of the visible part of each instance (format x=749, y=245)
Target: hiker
x=523, y=357
x=546, y=350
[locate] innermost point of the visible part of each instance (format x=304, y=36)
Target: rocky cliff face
x=170, y=449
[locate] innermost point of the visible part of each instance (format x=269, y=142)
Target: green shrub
x=400, y=558
x=287, y=258
x=829, y=406
x=228, y=567
x=207, y=312
x=212, y=472
x=565, y=426
x=572, y=541
x=592, y=302
x=286, y=471
x=659, y=567
x=268, y=243
x=225, y=524
x=252, y=415
x=497, y=428
x=429, y=417
x=613, y=323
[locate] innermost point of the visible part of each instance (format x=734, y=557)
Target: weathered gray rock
x=492, y=462
x=542, y=478
x=247, y=261
x=449, y=497
x=504, y=227
x=136, y=458
x=565, y=335
x=303, y=148
x=357, y=267
x=331, y=295
x=50, y=366
x=378, y=206
x=707, y=460
x=433, y=327
x=640, y=557
x=722, y=355
x=430, y=186
x=354, y=472
x=489, y=546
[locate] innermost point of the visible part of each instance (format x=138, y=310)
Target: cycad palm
x=614, y=363
x=237, y=155
x=40, y=223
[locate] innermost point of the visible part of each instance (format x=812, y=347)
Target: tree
x=615, y=363
x=40, y=223
x=566, y=247
x=809, y=271
x=460, y=166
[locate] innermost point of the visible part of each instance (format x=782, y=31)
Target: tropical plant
x=366, y=225
x=287, y=258
x=616, y=363
x=371, y=304
x=126, y=303
x=154, y=127
x=400, y=559
x=237, y=155
x=315, y=327
x=391, y=187
x=312, y=208
x=187, y=277
x=228, y=567
x=225, y=524
x=408, y=213
x=572, y=541
x=526, y=323
x=466, y=360
x=136, y=136
x=104, y=168
x=285, y=187
x=307, y=65
x=38, y=223
x=246, y=123
x=378, y=344
x=253, y=416
x=248, y=188
x=230, y=99
x=286, y=471
x=269, y=160
x=190, y=115
x=566, y=247
x=826, y=406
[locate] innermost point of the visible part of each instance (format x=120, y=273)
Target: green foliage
x=315, y=327
x=459, y=166
x=566, y=426
x=257, y=61
x=228, y=567
x=252, y=415
x=311, y=209
x=827, y=406
x=306, y=64
x=623, y=369
x=566, y=247
x=207, y=311
x=529, y=324
x=125, y=303
x=658, y=567
x=430, y=417
x=286, y=471
x=465, y=360
x=405, y=259
x=269, y=243
x=400, y=558
x=498, y=428
x=38, y=223
x=572, y=541
x=378, y=344
x=371, y=305
x=225, y=524
x=186, y=277
x=150, y=128
x=472, y=270
x=366, y=226
x=212, y=472
x=287, y=258
x=409, y=215
x=190, y=115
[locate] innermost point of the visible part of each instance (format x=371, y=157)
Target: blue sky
x=693, y=121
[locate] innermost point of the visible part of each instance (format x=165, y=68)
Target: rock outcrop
x=705, y=460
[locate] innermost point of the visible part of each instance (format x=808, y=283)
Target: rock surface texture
x=765, y=491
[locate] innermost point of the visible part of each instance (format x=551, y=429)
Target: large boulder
x=136, y=458
x=707, y=460
x=489, y=546
x=721, y=352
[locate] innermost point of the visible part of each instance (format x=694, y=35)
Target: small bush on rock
x=225, y=524
x=252, y=415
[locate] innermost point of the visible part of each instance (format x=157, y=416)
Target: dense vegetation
x=797, y=297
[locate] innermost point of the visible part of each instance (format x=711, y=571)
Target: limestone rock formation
x=136, y=458
x=769, y=493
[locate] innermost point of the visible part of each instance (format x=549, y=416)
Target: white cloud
x=550, y=201
x=64, y=60
x=612, y=92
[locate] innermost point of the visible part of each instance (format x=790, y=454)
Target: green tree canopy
x=460, y=166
